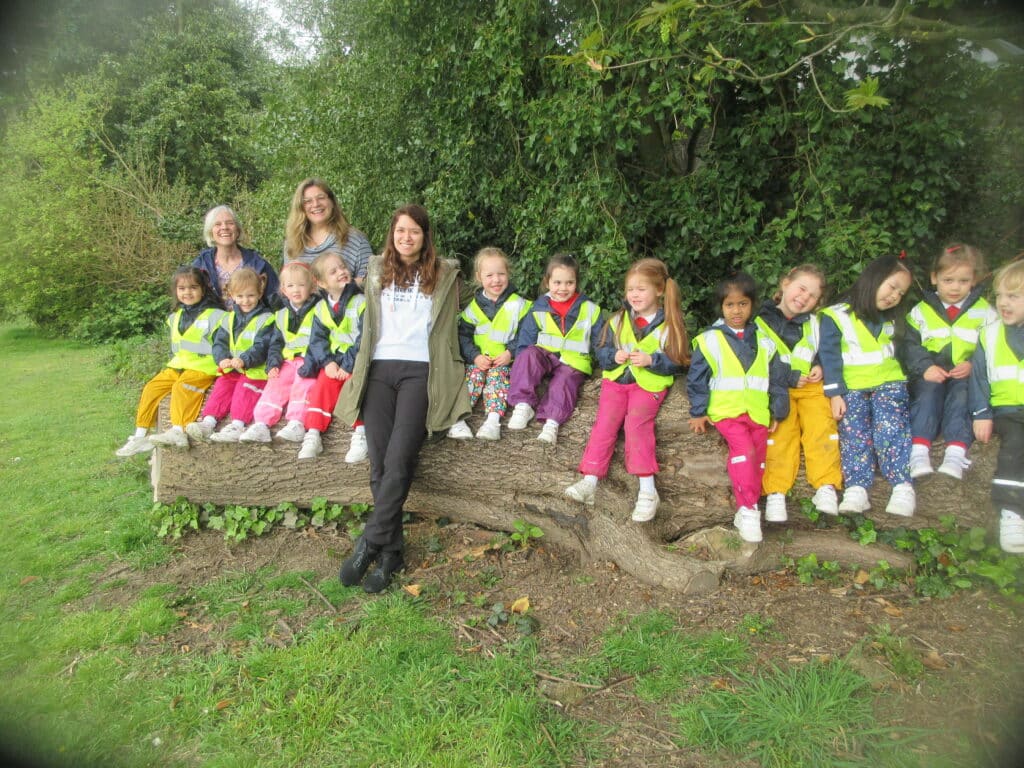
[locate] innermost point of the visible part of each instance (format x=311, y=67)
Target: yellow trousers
x=187, y=390
x=811, y=425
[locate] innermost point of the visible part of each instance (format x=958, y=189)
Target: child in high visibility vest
x=942, y=332
x=333, y=344
x=240, y=348
x=556, y=340
x=996, y=398
x=286, y=389
x=867, y=387
x=790, y=321
x=191, y=369
x=737, y=383
x=642, y=348
x=487, y=329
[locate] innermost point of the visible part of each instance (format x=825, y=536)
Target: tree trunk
x=493, y=484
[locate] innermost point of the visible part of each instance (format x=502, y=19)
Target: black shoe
x=356, y=564
x=380, y=577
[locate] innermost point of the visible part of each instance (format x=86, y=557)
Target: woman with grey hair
x=222, y=231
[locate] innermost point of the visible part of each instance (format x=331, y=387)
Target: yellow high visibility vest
x=247, y=338
x=801, y=357
x=493, y=336
x=1005, y=371
x=295, y=344
x=937, y=332
x=343, y=333
x=734, y=391
x=573, y=348
x=868, y=362
x=651, y=343
x=193, y=349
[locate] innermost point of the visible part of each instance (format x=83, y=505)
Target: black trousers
x=1008, y=480
x=395, y=414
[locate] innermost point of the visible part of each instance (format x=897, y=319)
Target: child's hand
x=838, y=406
x=773, y=425
x=483, y=362
x=225, y=364
x=639, y=358
x=503, y=359
x=934, y=374
x=237, y=364
x=273, y=373
x=331, y=370
x=983, y=430
x=804, y=378
x=961, y=371
x=621, y=356
x=343, y=375
x=699, y=424
x=815, y=375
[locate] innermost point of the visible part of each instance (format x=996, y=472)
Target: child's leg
x=641, y=412
x=247, y=394
x=743, y=460
x=495, y=390
x=956, y=417
x=819, y=437
x=782, y=460
x=1008, y=478
x=187, y=396
x=322, y=398
x=474, y=383
x=560, y=399
x=528, y=370
x=890, y=417
x=272, y=402
x=298, y=395
x=218, y=404
x=156, y=389
x=856, y=449
x=611, y=412
x=926, y=405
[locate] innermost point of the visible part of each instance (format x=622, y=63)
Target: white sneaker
x=489, y=430
x=1011, y=532
x=646, y=507
x=136, y=444
x=548, y=433
x=582, y=491
x=312, y=445
x=228, y=434
x=293, y=432
x=172, y=438
x=199, y=430
x=855, y=499
x=255, y=433
x=460, y=431
x=902, y=501
x=825, y=500
x=775, y=508
x=748, y=523
x=920, y=462
x=954, y=462
x=357, y=450
x=522, y=415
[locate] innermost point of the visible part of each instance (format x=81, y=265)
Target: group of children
x=861, y=385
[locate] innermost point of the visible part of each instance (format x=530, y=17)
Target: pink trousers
x=234, y=394
x=634, y=408
x=748, y=443
x=287, y=390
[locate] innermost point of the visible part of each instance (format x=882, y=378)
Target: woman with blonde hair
x=316, y=225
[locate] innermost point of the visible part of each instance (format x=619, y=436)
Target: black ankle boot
x=355, y=565
x=380, y=577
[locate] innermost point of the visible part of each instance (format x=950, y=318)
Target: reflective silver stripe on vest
x=563, y=344
x=733, y=383
x=854, y=355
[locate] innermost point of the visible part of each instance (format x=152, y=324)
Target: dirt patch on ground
x=970, y=643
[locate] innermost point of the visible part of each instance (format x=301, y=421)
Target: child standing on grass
x=285, y=388
x=642, y=348
x=942, y=332
x=790, y=322
x=333, y=344
x=486, y=329
x=240, y=348
x=737, y=382
x=867, y=387
x=191, y=369
x=554, y=343
x=997, y=401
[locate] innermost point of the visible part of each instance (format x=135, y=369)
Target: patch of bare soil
x=970, y=644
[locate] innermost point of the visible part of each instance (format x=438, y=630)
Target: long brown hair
x=296, y=230
x=677, y=340
x=398, y=272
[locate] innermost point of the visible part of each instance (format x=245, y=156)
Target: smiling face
x=408, y=239
x=562, y=283
x=246, y=298
x=641, y=295
x=335, y=275
x=737, y=309
x=892, y=290
x=317, y=205
x=493, y=276
x=188, y=291
x=1010, y=304
x=954, y=283
x=296, y=284
x=224, y=231
x=800, y=293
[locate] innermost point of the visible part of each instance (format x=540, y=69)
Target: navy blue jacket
x=275, y=354
x=257, y=353
x=790, y=330
x=206, y=261
x=661, y=363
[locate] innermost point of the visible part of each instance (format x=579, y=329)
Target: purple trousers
x=632, y=407
x=529, y=369
x=234, y=394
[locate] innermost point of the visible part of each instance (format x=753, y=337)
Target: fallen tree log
x=520, y=478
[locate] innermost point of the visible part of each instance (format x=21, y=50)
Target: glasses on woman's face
x=315, y=200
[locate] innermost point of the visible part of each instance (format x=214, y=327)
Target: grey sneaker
x=199, y=430
x=293, y=432
x=256, y=433
x=522, y=415
x=172, y=438
x=228, y=434
x=312, y=445
x=135, y=444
